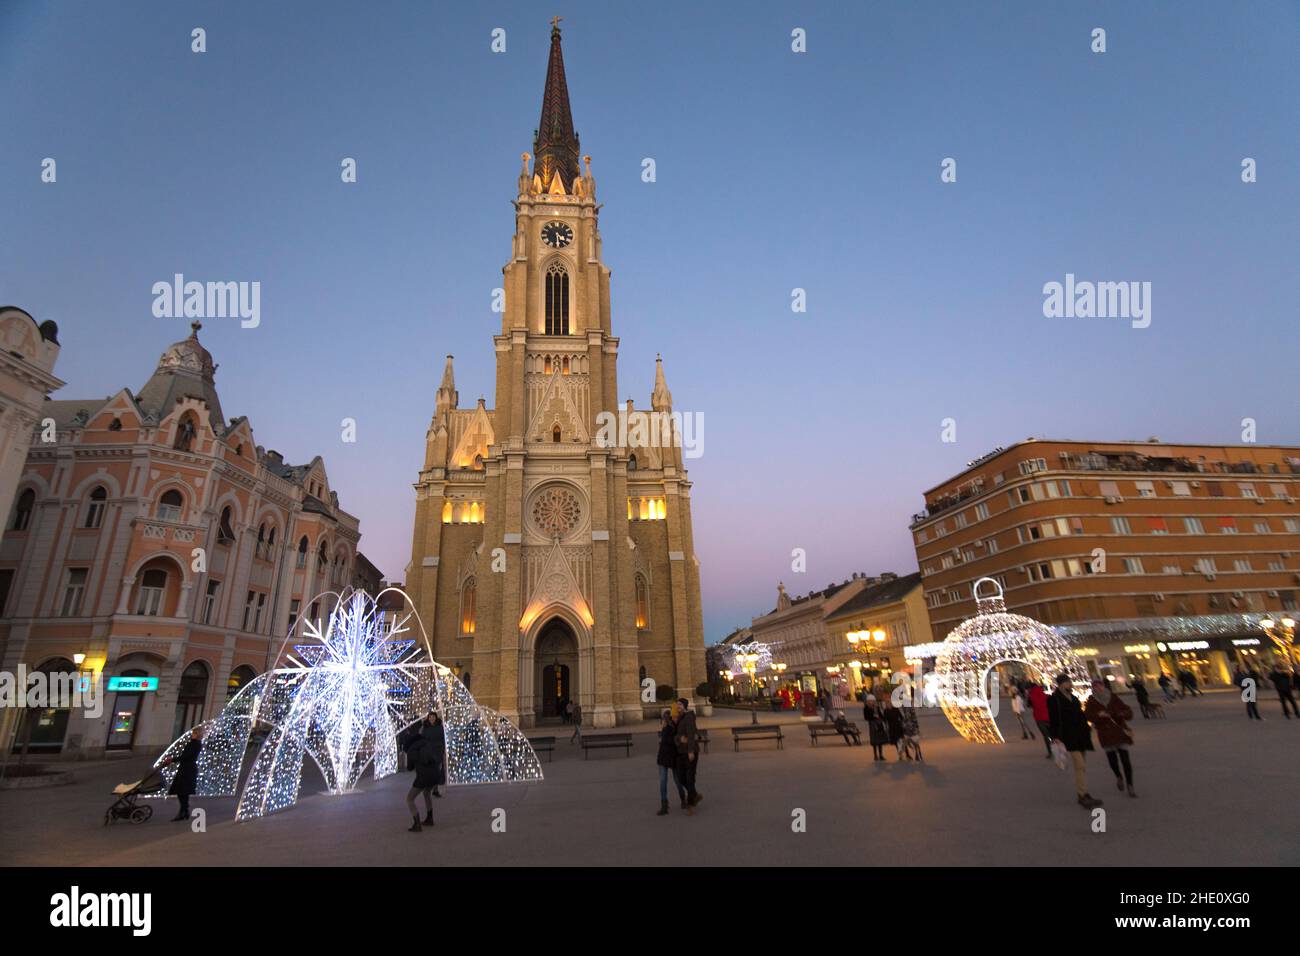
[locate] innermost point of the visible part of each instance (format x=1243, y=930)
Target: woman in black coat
x=667, y=762
x=428, y=754
x=1068, y=726
x=186, y=780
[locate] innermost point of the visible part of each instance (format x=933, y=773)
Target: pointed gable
x=557, y=407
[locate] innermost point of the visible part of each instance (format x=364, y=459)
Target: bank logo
x=76, y=909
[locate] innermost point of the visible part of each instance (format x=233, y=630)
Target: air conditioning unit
x=1169, y=484
x=1209, y=575
x=1237, y=594
x=1272, y=594
x=1112, y=500
x=1196, y=484
x=1064, y=455
x=1259, y=501
x=1290, y=500
x=1159, y=597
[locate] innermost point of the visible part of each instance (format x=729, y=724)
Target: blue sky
x=775, y=171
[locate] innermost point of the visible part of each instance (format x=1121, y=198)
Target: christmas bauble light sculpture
x=994, y=636
x=341, y=697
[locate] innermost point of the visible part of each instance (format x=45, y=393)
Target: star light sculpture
x=977, y=645
x=342, y=700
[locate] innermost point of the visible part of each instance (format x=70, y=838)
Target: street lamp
x=749, y=664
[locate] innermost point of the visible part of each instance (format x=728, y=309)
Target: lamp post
x=749, y=663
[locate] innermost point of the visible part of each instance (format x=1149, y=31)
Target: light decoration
x=341, y=698
x=760, y=653
x=978, y=644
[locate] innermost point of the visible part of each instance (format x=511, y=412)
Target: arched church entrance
x=555, y=675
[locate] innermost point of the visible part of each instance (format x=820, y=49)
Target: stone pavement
x=1213, y=789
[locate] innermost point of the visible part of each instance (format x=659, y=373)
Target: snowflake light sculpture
x=978, y=644
x=351, y=689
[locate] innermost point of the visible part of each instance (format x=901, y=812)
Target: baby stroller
x=125, y=807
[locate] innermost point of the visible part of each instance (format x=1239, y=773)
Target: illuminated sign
x=132, y=683
x=1185, y=646
x=1246, y=642
x=921, y=651
x=1087, y=651
x=1137, y=648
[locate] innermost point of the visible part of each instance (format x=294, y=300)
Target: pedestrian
x=846, y=730
x=566, y=712
x=428, y=753
x=893, y=723
x=688, y=755
x=1249, y=691
x=186, y=780
x=1283, y=684
x=1018, y=708
x=575, y=714
x=911, y=732
x=1190, y=686
x=1143, y=696
x=436, y=734
x=1165, y=683
x=877, y=732
x=667, y=762
x=1038, y=706
x=1110, y=716
x=1070, y=731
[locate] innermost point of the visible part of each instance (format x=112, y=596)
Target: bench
x=702, y=738
x=600, y=741
x=543, y=744
x=757, y=732
x=828, y=730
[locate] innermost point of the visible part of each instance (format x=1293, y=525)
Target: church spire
x=555, y=144
x=447, y=397
x=661, y=400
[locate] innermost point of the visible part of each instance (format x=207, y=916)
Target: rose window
x=556, y=512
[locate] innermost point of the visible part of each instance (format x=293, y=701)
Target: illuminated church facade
x=549, y=563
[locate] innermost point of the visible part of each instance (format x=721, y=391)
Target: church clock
x=557, y=235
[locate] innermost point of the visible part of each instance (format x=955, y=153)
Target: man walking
x=1281, y=677
x=1249, y=689
x=688, y=755
x=576, y=711
x=1069, y=727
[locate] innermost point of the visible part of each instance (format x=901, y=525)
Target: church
x=549, y=564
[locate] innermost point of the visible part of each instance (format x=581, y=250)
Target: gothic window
x=95, y=509
x=169, y=505
x=548, y=365
x=446, y=512
x=23, y=511
x=115, y=425
x=468, y=607
x=322, y=556
x=631, y=463
x=555, y=432
x=557, y=300
x=225, y=533
x=261, y=541
x=302, y=552
x=642, y=603
x=566, y=365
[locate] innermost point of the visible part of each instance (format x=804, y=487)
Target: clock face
x=556, y=235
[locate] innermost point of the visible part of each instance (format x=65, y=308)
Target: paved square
x=1208, y=781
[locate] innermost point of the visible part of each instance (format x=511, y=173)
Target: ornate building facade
x=153, y=541
x=27, y=355
x=550, y=563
